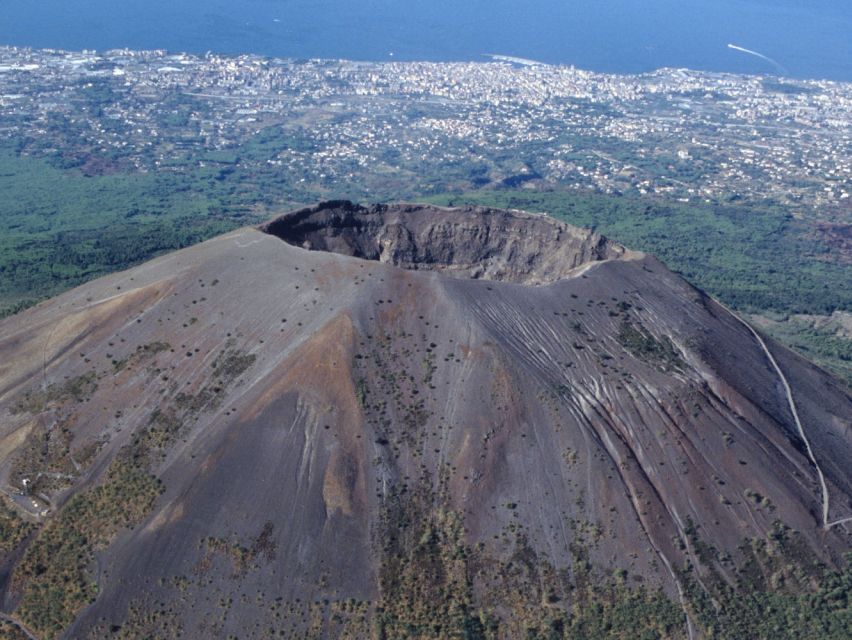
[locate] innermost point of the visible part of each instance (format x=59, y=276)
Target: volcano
x=409, y=421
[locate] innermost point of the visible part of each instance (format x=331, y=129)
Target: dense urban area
x=682, y=134
x=739, y=183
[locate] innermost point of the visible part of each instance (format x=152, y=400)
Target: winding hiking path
x=826, y=525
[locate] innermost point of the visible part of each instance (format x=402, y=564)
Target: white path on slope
x=824, y=488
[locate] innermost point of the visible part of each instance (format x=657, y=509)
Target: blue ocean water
x=807, y=38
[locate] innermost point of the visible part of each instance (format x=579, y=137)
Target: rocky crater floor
x=408, y=421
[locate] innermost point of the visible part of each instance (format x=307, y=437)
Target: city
x=319, y=126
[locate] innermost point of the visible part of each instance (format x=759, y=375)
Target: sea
x=793, y=38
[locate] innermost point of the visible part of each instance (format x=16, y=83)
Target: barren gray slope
x=612, y=405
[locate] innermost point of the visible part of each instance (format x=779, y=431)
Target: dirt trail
x=792, y=403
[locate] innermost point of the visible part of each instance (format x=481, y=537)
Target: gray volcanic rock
x=384, y=420
x=480, y=243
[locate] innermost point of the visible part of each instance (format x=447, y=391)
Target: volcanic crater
x=468, y=242
x=403, y=420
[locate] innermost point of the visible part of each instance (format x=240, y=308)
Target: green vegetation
x=9, y=631
x=433, y=584
x=750, y=258
x=757, y=260
x=429, y=576
x=45, y=460
x=660, y=353
x=54, y=575
x=243, y=557
x=229, y=365
x=781, y=591
x=824, y=345
x=425, y=588
x=76, y=389
x=13, y=529
x=60, y=228
x=143, y=352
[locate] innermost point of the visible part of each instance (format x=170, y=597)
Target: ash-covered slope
x=406, y=421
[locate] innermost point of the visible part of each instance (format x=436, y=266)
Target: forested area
x=752, y=259
x=60, y=227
